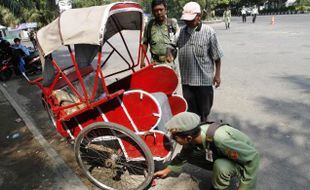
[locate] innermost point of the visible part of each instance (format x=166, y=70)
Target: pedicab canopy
x=92, y=25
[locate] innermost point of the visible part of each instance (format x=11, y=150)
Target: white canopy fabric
x=90, y=25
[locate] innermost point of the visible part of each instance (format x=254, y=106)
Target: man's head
x=16, y=40
x=191, y=14
x=159, y=10
x=184, y=127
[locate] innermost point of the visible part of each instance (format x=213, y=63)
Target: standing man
x=218, y=147
x=254, y=13
x=243, y=14
x=200, y=61
x=159, y=34
x=227, y=17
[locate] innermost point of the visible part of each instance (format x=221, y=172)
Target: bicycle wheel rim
x=102, y=158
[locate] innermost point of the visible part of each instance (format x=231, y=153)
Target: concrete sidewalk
x=26, y=162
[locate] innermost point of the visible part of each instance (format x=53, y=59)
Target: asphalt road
x=265, y=92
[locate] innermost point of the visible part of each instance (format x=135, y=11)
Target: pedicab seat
x=73, y=76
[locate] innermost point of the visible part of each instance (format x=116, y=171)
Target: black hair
x=16, y=40
x=193, y=133
x=159, y=2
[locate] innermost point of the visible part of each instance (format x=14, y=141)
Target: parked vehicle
x=9, y=60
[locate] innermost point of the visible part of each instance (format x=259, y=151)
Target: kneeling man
x=218, y=147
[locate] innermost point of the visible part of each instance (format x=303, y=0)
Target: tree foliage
x=44, y=11
x=18, y=11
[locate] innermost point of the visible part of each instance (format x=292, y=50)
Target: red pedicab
x=117, y=128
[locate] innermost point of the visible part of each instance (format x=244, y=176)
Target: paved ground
x=265, y=92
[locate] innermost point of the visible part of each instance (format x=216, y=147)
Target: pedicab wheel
x=6, y=75
x=113, y=157
x=52, y=121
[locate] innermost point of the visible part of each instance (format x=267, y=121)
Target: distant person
x=32, y=37
x=227, y=17
x=219, y=148
x=21, y=55
x=213, y=13
x=243, y=14
x=199, y=60
x=254, y=13
x=159, y=34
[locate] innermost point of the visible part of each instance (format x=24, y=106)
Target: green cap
x=184, y=121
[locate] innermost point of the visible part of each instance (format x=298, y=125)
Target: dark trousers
x=243, y=18
x=254, y=18
x=199, y=100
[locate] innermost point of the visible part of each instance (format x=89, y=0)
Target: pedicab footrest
x=156, y=141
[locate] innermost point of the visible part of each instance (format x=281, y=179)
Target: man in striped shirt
x=200, y=61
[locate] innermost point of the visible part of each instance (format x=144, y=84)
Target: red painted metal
x=78, y=74
x=156, y=141
x=177, y=104
x=125, y=6
x=150, y=79
x=143, y=110
x=123, y=104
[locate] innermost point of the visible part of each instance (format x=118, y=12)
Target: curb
x=67, y=179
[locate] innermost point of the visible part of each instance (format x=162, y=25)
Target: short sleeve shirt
x=159, y=39
x=231, y=144
x=198, y=49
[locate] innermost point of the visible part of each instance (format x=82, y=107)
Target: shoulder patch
x=232, y=154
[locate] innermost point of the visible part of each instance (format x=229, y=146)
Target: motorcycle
x=10, y=61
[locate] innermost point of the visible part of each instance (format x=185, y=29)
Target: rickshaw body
x=117, y=127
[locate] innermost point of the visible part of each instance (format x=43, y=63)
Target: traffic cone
x=272, y=20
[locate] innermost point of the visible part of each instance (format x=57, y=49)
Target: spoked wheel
x=113, y=157
x=50, y=113
x=6, y=75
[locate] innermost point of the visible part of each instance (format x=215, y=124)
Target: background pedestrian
x=243, y=14
x=254, y=13
x=227, y=17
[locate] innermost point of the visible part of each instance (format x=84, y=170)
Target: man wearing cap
x=217, y=147
x=199, y=60
x=160, y=34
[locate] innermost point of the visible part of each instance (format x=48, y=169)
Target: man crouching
x=218, y=147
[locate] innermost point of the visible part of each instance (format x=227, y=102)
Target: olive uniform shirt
x=159, y=38
x=230, y=144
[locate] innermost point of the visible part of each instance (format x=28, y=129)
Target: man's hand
x=217, y=76
x=169, y=58
x=217, y=81
x=163, y=173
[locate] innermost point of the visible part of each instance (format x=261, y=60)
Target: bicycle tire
x=101, y=161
